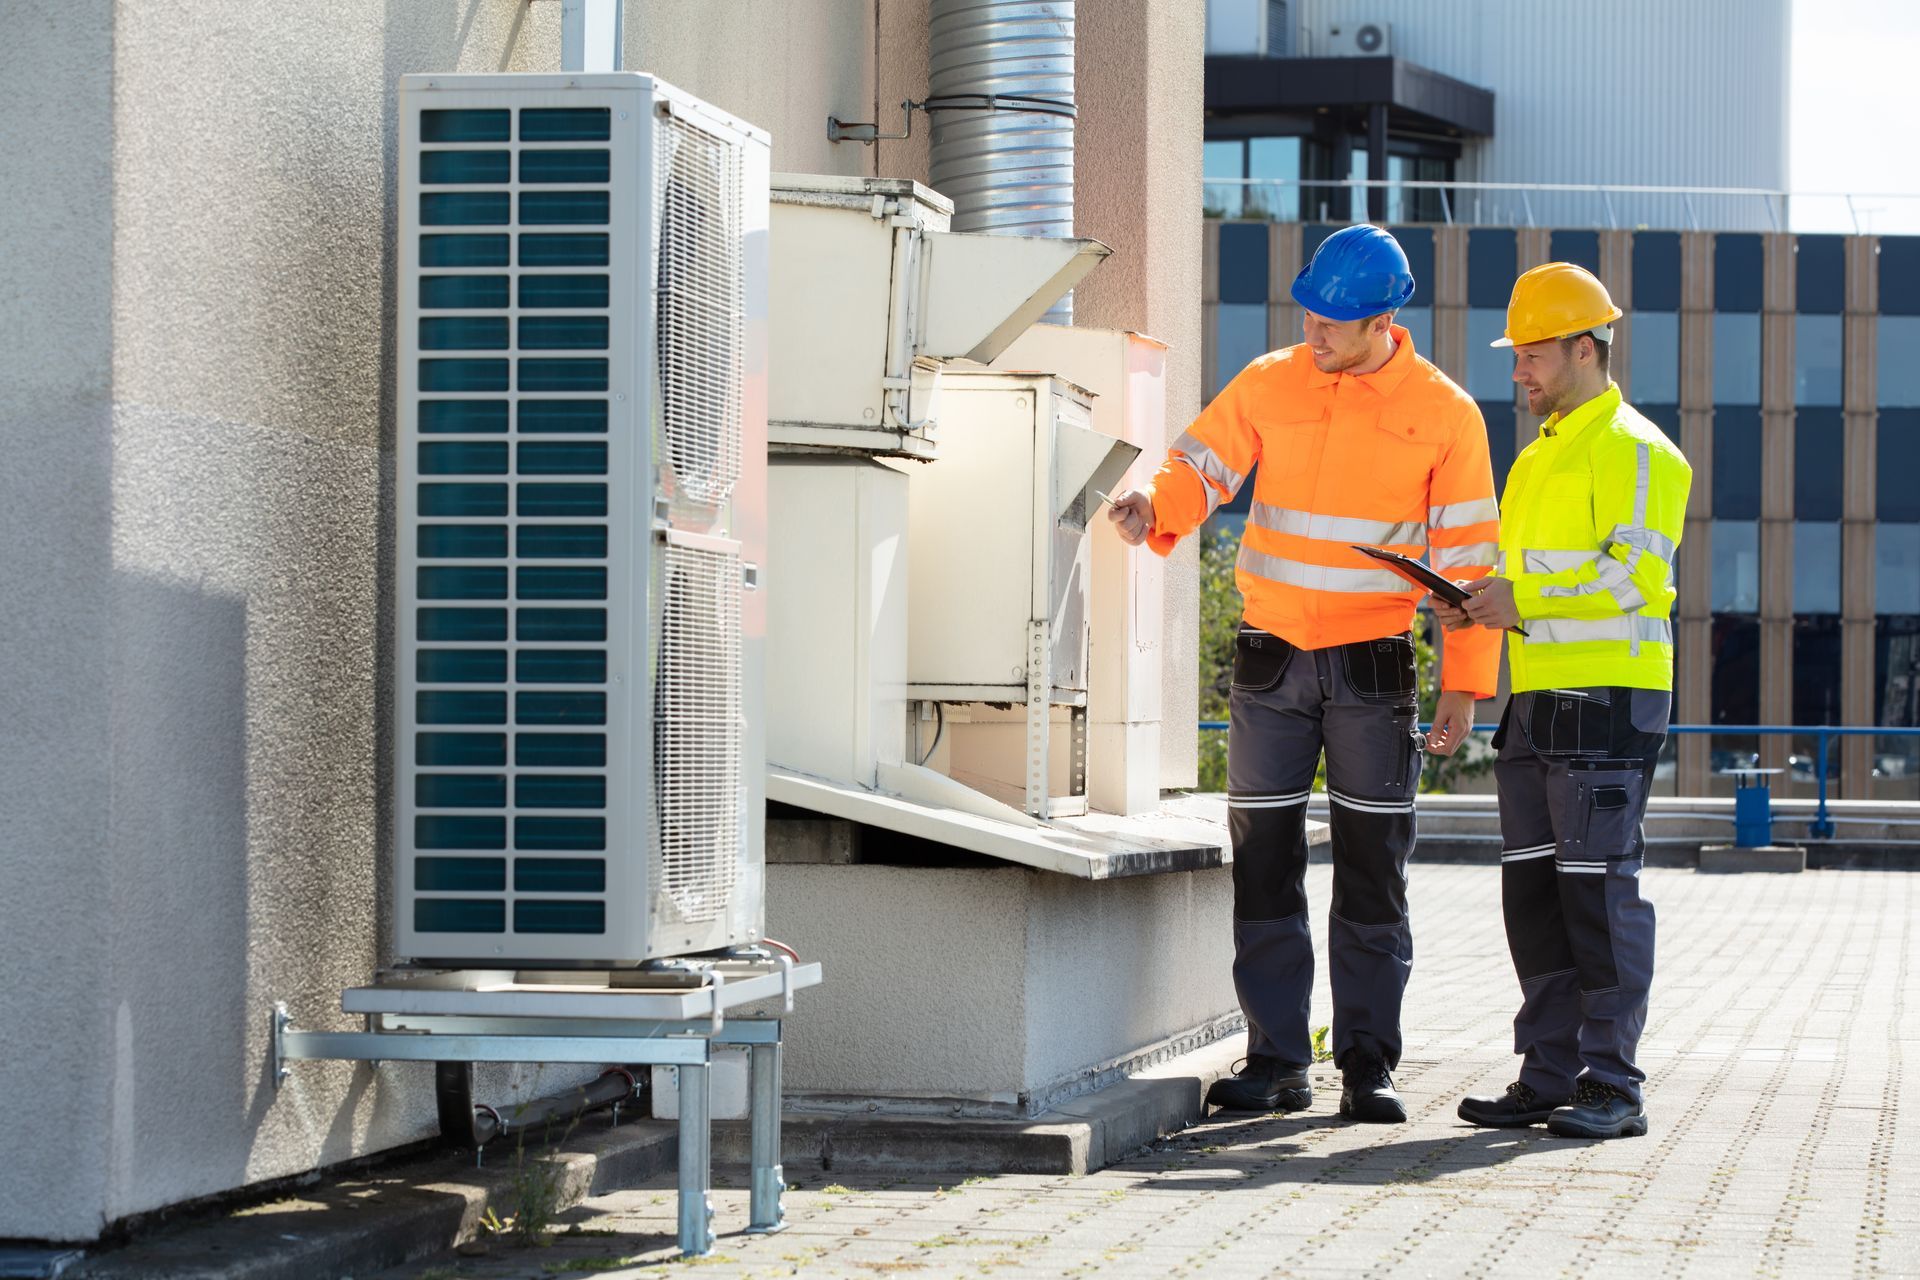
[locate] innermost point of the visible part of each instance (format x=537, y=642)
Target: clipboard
x=1421, y=576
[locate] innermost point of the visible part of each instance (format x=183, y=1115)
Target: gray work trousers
x=1357, y=703
x=1574, y=767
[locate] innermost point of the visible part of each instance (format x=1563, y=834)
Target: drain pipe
x=1000, y=92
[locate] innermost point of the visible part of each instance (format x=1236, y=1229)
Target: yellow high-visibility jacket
x=1589, y=528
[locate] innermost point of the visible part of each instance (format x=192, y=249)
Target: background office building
x=1774, y=359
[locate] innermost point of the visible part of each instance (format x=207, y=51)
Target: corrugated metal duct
x=1000, y=91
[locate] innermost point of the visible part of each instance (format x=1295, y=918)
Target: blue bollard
x=1753, y=815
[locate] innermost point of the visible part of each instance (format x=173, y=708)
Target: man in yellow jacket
x=1589, y=528
x=1358, y=440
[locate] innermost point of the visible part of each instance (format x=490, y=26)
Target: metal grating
x=507, y=522
x=701, y=312
x=698, y=730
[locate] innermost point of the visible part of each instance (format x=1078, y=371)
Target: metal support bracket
x=1039, y=715
x=450, y=1023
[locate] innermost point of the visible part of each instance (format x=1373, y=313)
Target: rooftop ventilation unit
x=582, y=496
x=1360, y=40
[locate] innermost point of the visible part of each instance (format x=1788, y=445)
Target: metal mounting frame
x=435, y=1018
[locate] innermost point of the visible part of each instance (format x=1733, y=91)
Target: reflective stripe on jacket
x=1593, y=514
x=1396, y=458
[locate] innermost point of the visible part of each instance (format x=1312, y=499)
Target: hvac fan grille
x=697, y=732
x=701, y=311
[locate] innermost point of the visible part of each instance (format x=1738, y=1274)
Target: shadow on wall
x=178, y=916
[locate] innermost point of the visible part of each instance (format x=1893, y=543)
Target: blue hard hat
x=1355, y=273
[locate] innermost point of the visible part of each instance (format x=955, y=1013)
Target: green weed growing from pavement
x=1322, y=1050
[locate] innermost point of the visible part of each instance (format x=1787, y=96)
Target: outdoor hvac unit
x=581, y=514
x=1000, y=559
x=1360, y=40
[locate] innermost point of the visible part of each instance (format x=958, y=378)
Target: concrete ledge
x=1086, y=1134
x=396, y=1215
x=353, y=1225
x=1723, y=859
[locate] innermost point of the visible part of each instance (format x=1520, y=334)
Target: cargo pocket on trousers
x=1569, y=722
x=1608, y=799
x=1380, y=670
x=1260, y=658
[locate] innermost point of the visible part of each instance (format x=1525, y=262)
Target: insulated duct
x=1000, y=92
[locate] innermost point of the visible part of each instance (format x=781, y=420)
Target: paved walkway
x=1777, y=1059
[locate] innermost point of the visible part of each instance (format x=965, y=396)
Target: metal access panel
x=581, y=504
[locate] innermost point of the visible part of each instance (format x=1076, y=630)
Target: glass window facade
x=1817, y=367
x=1899, y=363
x=1816, y=567
x=1736, y=566
x=1896, y=568
x=1736, y=357
x=1243, y=262
x=1736, y=464
x=1736, y=673
x=1489, y=368
x=1816, y=662
x=1240, y=339
x=1819, y=464
x=1656, y=358
x=1899, y=465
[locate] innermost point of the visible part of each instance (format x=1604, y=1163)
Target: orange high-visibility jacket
x=1396, y=458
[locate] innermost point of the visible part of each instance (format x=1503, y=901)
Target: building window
x=1501, y=448
x=1418, y=322
x=1820, y=275
x=1656, y=272
x=1899, y=346
x=1898, y=464
x=1819, y=464
x=1220, y=163
x=1736, y=671
x=1656, y=357
x=1816, y=574
x=1736, y=566
x=1816, y=669
x=1239, y=339
x=1582, y=248
x=1736, y=464
x=1896, y=568
x=1736, y=357
x=1489, y=368
x=1817, y=367
x=1244, y=249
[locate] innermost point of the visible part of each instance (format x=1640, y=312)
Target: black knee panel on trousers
x=1269, y=862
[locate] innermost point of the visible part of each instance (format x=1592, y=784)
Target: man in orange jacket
x=1361, y=441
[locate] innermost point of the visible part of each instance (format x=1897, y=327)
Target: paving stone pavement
x=1776, y=1056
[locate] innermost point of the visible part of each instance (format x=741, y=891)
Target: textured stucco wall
x=196, y=403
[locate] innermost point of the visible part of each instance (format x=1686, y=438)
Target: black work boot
x=1366, y=1090
x=1598, y=1111
x=1518, y=1107
x=1262, y=1084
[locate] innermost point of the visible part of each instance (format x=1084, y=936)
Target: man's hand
x=1449, y=617
x=1132, y=514
x=1452, y=722
x=1492, y=604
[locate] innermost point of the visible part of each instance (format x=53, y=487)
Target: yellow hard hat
x=1558, y=300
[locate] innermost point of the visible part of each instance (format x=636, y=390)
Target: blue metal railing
x=1821, y=827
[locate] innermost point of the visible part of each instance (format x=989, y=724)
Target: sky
x=1854, y=64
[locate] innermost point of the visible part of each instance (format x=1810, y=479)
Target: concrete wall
x=196, y=405
x=995, y=989
x=55, y=372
